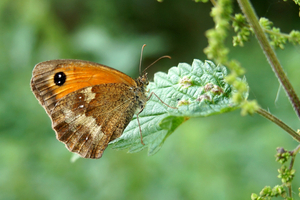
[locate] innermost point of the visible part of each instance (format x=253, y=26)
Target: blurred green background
x=219, y=157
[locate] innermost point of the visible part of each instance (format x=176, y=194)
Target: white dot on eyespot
x=87, y=138
x=81, y=106
x=80, y=97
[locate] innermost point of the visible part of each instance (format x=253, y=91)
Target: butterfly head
x=142, y=81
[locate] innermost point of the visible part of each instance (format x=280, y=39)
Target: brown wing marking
x=88, y=119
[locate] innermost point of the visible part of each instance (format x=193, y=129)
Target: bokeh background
x=219, y=157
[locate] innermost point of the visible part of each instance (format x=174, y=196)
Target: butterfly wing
x=88, y=119
x=79, y=74
x=92, y=106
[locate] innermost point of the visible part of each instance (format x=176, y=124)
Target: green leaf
x=196, y=91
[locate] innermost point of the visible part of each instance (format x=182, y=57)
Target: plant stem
x=269, y=52
x=293, y=155
x=213, y=2
x=290, y=191
x=281, y=124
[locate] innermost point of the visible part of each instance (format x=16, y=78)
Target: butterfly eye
x=60, y=78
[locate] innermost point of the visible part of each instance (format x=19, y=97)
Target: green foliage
x=267, y=193
x=277, y=39
x=240, y=26
x=282, y=155
x=296, y=2
x=294, y=37
x=197, y=90
x=286, y=174
x=216, y=48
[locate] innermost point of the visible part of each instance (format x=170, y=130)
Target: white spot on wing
x=80, y=119
x=89, y=95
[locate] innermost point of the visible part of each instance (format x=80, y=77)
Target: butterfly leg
x=137, y=117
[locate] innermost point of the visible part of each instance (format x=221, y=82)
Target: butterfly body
x=89, y=104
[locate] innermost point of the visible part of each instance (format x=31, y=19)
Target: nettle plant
x=204, y=89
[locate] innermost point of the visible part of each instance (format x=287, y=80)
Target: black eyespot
x=60, y=78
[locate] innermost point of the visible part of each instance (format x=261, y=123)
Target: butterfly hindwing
x=86, y=122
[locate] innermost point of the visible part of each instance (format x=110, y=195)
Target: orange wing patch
x=79, y=74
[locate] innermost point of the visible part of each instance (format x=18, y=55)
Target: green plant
x=269, y=38
x=226, y=91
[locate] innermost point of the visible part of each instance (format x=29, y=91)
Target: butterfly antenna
x=156, y=62
x=140, y=68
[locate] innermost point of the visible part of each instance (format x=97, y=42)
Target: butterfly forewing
x=79, y=74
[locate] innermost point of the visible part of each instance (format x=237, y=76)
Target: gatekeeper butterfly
x=89, y=104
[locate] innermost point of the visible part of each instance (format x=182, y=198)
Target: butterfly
x=89, y=104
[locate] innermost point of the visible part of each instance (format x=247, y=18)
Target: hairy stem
x=281, y=124
x=270, y=53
